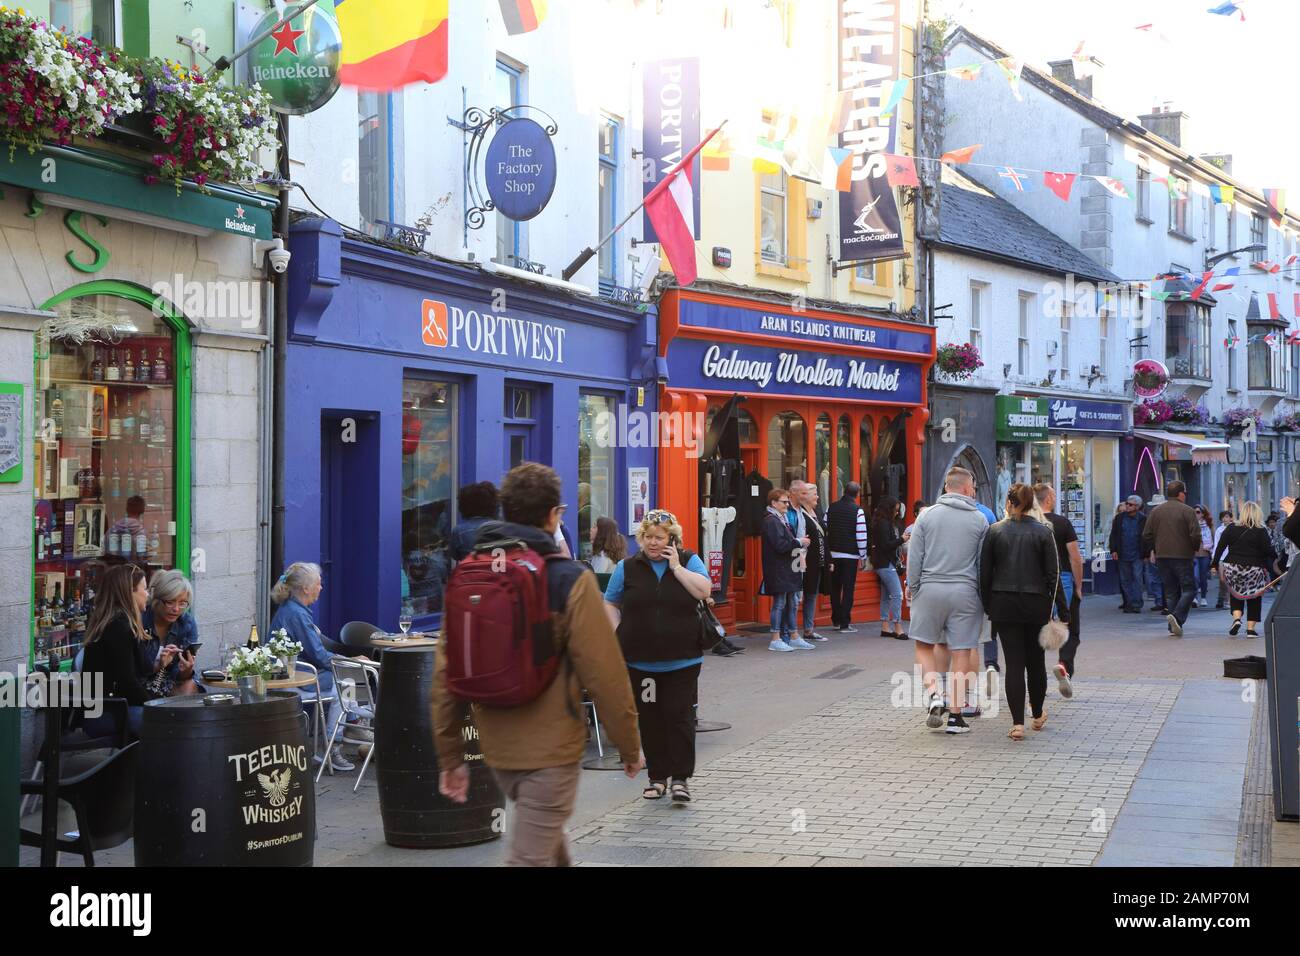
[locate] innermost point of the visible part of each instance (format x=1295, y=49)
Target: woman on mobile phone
x=653, y=601
x=169, y=624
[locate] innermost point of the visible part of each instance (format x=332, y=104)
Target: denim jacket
x=297, y=621
x=183, y=633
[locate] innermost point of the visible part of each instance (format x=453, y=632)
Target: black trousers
x=812, y=583
x=1024, y=660
x=844, y=581
x=1071, y=647
x=1251, y=606
x=665, y=707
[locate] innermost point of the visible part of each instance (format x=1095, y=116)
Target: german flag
x=388, y=44
x=523, y=16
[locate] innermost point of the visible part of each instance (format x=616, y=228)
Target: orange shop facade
x=783, y=394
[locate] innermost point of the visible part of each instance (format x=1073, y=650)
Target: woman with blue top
x=168, y=624
x=296, y=591
x=654, y=599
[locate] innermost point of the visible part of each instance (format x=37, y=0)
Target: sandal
x=1017, y=732
x=655, y=790
x=1040, y=722
x=680, y=792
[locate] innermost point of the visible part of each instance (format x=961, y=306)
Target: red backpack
x=496, y=628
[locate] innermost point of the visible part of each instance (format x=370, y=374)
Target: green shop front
x=115, y=296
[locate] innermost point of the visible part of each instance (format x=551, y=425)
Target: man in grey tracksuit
x=943, y=583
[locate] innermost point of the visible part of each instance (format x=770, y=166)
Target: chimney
x=1222, y=160
x=1167, y=124
x=1067, y=73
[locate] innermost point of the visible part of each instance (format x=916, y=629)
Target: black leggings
x=665, y=706
x=1250, y=605
x=1024, y=657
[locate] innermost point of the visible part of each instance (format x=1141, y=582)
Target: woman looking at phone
x=170, y=626
x=653, y=602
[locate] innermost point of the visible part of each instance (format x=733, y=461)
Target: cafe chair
x=318, y=699
x=103, y=800
x=595, y=721
x=357, y=636
x=334, y=647
x=357, y=683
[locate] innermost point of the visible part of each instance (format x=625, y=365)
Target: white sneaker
x=1063, y=683
x=934, y=716
x=779, y=645
x=340, y=763
x=800, y=644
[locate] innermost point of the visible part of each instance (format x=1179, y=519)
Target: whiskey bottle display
x=158, y=431
x=40, y=539
x=130, y=475
x=114, y=541
x=112, y=372
x=56, y=537
x=128, y=368
x=115, y=481
x=144, y=425
x=160, y=367
x=97, y=367
x=82, y=539
x=115, y=422
x=56, y=413
x=141, y=541
x=143, y=369
x=128, y=422
x=154, y=540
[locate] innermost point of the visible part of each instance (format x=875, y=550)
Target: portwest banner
x=672, y=127
x=870, y=38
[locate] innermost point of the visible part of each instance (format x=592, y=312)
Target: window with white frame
x=1067, y=315
x=96, y=20
x=1179, y=204
x=375, y=155
x=1143, y=192
x=774, y=196
x=607, y=205
x=1211, y=222
x=1103, y=341
x=1232, y=355
x=1022, y=344
x=512, y=237
x=978, y=310
x=1231, y=230
x=1258, y=237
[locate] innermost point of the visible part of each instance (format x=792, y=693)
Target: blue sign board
x=1086, y=416
x=700, y=364
x=757, y=321
x=520, y=169
x=672, y=127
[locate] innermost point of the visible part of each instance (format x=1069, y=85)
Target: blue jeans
x=785, y=607
x=1130, y=581
x=1154, y=584
x=1067, y=586
x=108, y=723
x=1202, y=575
x=1179, y=582
x=891, y=595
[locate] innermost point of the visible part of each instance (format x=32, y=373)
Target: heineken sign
x=1021, y=419
x=298, y=63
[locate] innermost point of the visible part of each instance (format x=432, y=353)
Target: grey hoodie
x=945, y=545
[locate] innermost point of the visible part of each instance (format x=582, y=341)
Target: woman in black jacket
x=781, y=582
x=1248, y=568
x=1019, y=579
x=885, y=542
x=114, y=637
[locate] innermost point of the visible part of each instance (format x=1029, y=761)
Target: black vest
x=842, y=526
x=660, y=620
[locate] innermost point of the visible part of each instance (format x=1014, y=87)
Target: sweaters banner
x=870, y=37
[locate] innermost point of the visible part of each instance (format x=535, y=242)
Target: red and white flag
x=1059, y=183
x=671, y=208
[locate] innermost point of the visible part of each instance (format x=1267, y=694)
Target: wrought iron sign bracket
x=475, y=125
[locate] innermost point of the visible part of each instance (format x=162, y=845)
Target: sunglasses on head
x=661, y=517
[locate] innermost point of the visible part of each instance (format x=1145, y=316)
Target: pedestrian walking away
x=782, y=573
x=1019, y=580
x=1126, y=550
x=1070, y=561
x=885, y=542
x=1174, y=536
x=1225, y=521
x=653, y=599
x=943, y=591
x=846, y=535
x=1202, y=559
x=1246, y=569
x=818, y=566
x=535, y=749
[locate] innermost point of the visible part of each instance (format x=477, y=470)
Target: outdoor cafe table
x=412, y=641
x=299, y=679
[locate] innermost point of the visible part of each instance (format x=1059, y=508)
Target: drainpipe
x=279, y=338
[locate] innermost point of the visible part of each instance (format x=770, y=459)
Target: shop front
x=131, y=335
x=783, y=395
x=961, y=434
x=1193, y=458
x=409, y=378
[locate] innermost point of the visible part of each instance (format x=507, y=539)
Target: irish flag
x=388, y=44
x=671, y=208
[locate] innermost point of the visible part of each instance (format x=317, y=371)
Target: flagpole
x=586, y=254
x=227, y=61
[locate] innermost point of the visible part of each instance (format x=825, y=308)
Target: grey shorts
x=947, y=614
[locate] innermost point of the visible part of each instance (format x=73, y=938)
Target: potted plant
x=54, y=87
x=1185, y=412
x=958, y=361
x=1234, y=419
x=285, y=649
x=1150, y=378
x=1152, y=412
x=251, y=668
x=1287, y=422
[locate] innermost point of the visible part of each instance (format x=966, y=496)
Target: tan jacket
x=1172, y=531
x=551, y=731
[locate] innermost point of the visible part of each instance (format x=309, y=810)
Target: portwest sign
x=298, y=64
x=520, y=169
x=1021, y=419
x=671, y=106
x=447, y=326
x=1083, y=415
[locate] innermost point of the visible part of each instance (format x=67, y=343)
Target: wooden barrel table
x=415, y=814
x=222, y=783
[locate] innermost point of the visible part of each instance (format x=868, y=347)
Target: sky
x=1236, y=81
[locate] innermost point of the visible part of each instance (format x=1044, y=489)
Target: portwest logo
x=433, y=324
x=77, y=909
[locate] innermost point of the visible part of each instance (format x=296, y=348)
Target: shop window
x=823, y=460
x=94, y=19
x=1074, y=476
x=843, y=458
x=1104, y=477
x=866, y=446
x=106, y=477
x=596, y=475
x=787, y=449
x=1042, y=464
x=429, y=469
x=607, y=204
x=374, y=132
x=747, y=427
x=773, y=218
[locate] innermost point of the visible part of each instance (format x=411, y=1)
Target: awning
x=1204, y=451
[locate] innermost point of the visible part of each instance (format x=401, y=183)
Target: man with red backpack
x=524, y=632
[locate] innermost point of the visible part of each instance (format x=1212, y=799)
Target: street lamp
x=1212, y=261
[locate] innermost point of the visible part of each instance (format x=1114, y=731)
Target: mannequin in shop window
x=1004, y=483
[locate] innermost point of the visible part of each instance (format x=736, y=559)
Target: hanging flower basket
x=1234, y=419
x=1287, y=422
x=1150, y=378
x=1152, y=412
x=1184, y=411
x=958, y=361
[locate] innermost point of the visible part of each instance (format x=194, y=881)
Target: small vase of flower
x=286, y=649
x=251, y=668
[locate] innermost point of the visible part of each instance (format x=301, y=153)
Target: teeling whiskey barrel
x=225, y=784
x=415, y=814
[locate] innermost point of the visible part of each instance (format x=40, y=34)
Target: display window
x=428, y=491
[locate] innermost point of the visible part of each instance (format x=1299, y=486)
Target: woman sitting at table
x=114, y=648
x=168, y=622
x=297, y=590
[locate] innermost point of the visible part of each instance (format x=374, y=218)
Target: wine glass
x=404, y=621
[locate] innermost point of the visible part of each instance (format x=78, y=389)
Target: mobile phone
x=193, y=649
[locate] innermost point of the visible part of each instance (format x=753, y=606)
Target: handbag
x=1053, y=634
x=711, y=630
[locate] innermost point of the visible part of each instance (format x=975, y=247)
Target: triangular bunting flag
x=1274, y=312
x=1012, y=67
x=841, y=107
x=1200, y=288
x=1018, y=181
x=1221, y=287
x=1113, y=185
x=717, y=155
x=967, y=72
x=900, y=171
x=895, y=97
x=1059, y=183
x=837, y=169
x=1276, y=199
x=959, y=156
x=523, y=16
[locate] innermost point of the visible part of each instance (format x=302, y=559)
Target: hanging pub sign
x=671, y=91
x=298, y=63
x=870, y=38
x=520, y=169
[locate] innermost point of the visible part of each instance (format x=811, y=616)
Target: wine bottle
x=115, y=422
x=141, y=541
x=144, y=424
x=56, y=537
x=40, y=539
x=160, y=367
x=143, y=369
x=97, y=368
x=56, y=413
x=112, y=373
x=158, y=432
x=82, y=539
x=130, y=474
x=115, y=481
x=128, y=367
x=252, y=638
x=154, y=540
x=114, y=541
x=128, y=422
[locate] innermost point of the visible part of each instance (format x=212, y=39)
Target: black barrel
x=225, y=784
x=415, y=813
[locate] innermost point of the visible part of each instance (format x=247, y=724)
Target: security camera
x=275, y=252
